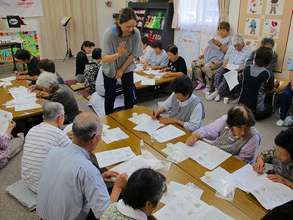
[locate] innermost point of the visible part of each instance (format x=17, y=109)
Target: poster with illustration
x=254, y=7
x=275, y=7
x=271, y=28
x=252, y=26
x=251, y=44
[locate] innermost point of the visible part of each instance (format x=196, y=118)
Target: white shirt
x=146, y=54
x=158, y=59
x=38, y=142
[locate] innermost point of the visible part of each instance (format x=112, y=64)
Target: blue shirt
x=158, y=59
x=213, y=52
x=70, y=186
x=290, y=68
x=236, y=57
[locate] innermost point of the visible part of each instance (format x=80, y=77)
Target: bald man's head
x=240, y=115
x=85, y=126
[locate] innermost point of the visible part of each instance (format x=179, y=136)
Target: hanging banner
x=22, y=8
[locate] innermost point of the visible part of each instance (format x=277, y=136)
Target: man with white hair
x=50, y=89
x=39, y=141
x=71, y=186
x=237, y=55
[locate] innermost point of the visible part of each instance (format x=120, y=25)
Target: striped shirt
x=38, y=142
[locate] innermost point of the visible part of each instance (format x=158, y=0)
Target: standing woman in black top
x=81, y=58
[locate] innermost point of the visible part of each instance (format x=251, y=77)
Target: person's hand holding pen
x=156, y=114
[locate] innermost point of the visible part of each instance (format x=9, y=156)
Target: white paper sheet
x=26, y=106
x=136, y=77
x=147, y=81
x=268, y=193
x=153, y=72
x=167, y=133
x=185, y=208
x=137, y=162
x=148, y=126
x=5, y=84
x=140, y=118
x=112, y=135
x=111, y=157
x=205, y=154
x=219, y=179
x=5, y=119
x=175, y=153
x=232, y=79
x=174, y=189
x=232, y=67
x=8, y=79
x=139, y=67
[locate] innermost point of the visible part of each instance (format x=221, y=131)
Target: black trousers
x=110, y=94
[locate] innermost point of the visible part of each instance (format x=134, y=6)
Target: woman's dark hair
x=97, y=53
x=47, y=65
x=268, y=40
x=87, y=44
x=183, y=85
x=173, y=49
x=240, y=115
x=157, y=44
x=285, y=140
x=22, y=54
x=145, y=40
x=126, y=14
x=144, y=185
x=224, y=25
x=263, y=56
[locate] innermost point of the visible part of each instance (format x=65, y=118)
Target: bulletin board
x=29, y=40
x=266, y=18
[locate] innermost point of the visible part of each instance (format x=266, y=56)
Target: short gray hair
x=47, y=80
x=238, y=39
x=86, y=125
x=52, y=110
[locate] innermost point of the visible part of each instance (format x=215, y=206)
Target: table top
x=160, y=81
x=5, y=96
x=243, y=201
x=175, y=173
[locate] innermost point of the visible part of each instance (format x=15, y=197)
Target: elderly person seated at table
x=71, y=186
x=234, y=133
x=184, y=107
x=39, y=141
x=141, y=197
x=53, y=91
x=158, y=57
x=235, y=57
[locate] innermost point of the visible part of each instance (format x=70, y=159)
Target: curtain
x=197, y=15
x=224, y=9
x=83, y=26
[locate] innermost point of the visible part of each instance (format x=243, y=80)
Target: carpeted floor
x=10, y=209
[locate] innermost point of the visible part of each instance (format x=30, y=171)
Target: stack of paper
x=167, y=133
x=175, y=153
x=232, y=67
x=140, y=118
x=269, y=194
x=136, y=78
x=5, y=84
x=153, y=72
x=231, y=78
x=139, y=162
x=187, y=206
x=174, y=189
x=147, y=81
x=148, y=125
x=112, y=135
x=8, y=79
x=22, y=100
x=5, y=119
x=220, y=180
x=111, y=157
x=139, y=67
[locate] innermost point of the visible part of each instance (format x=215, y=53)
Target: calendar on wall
x=266, y=18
